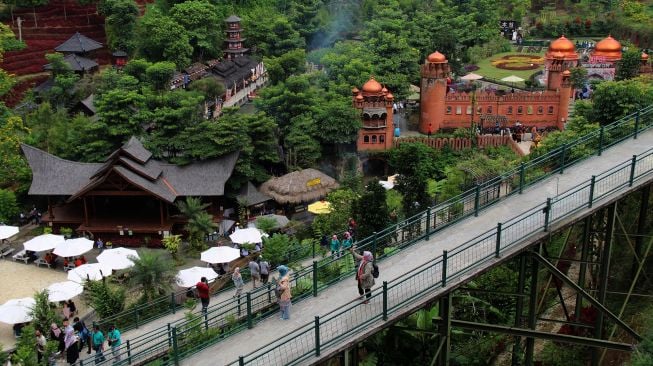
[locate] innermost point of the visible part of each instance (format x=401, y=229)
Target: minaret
x=560, y=56
x=375, y=104
x=234, y=40
x=434, y=73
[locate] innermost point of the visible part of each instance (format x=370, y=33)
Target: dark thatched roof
x=301, y=186
x=89, y=104
x=132, y=162
x=251, y=195
x=78, y=43
x=76, y=63
x=232, y=72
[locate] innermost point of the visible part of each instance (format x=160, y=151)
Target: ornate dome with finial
x=389, y=96
x=564, y=46
x=608, y=46
x=558, y=55
x=436, y=57
x=384, y=90
x=372, y=86
x=359, y=97
x=355, y=90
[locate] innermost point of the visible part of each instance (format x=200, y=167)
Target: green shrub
x=8, y=206
x=107, y=300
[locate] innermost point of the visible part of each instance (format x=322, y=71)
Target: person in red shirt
x=83, y=259
x=203, y=292
x=78, y=262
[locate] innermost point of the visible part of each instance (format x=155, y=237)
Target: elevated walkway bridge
x=420, y=259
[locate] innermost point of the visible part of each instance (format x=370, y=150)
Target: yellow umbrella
x=319, y=207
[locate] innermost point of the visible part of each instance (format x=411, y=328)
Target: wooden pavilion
x=130, y=193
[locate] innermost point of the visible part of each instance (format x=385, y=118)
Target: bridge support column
x=584, y=254
x=519, y=309
x=445, y=330
x=641, y=228
x=532, y=309
x=604, y=271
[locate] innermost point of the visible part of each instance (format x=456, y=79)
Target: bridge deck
x=343, y=294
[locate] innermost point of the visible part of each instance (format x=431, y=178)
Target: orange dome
x=563, y=45
x=359, y=97
x=608, y=44
x=436, y=57
x=558, y=55
x=355, y=90
x=566, y=73
x=644, y=56
x=372, y=86
x=389, y=96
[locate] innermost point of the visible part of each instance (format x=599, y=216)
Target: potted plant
x=66, y=232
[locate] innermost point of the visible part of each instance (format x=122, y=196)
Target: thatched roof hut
x=301, y=186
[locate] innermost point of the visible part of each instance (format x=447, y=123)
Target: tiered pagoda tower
x=234, y=40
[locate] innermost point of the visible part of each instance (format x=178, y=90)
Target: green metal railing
x=335, y=327
x=232, y=316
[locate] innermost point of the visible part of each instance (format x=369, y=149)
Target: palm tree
x=200, y=223
x=152, y=273
x=191, y=207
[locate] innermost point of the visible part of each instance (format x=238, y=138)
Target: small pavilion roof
x=132, y=162
x=77, y=63
x=233, y=19
x=78, y=43
x=252, y=195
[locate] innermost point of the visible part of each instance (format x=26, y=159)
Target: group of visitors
x=259, y=269
x=337, y=246
x=68, y=308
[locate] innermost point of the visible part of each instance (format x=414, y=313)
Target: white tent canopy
x=250, y=235
x=43, y=242
x=66, y=290
x=191, y=276
x=220, y=255
x=512, y=79
x=90, y=271
x=17, y=310
x=73, y=247
x=471, y=77
x=7, y=231
x=118, y=258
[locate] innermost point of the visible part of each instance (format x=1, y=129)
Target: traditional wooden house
x=79, y=44
x=129, y=194
x=78, y=64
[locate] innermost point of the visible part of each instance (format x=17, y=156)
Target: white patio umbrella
x=66, y=290
x=220, y=255
x=471, y=77
x=191, y=276
x=250, y=235
x=43, y=242
x=118, y=258
x=7, y=231
x=17, y=310
x=90, y=271
x=512, y=79
x=73, y=247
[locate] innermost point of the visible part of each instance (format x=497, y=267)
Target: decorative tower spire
x=234, y=40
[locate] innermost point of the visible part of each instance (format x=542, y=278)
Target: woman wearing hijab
x=335, y=246
x=238, y=281
x=283, y=284
x=70, y=345
x=57, y=335
x=364, y=274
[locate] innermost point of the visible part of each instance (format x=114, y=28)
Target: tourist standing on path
x=57, y=335
x=255, y=272
x=283, y=284
x=346, y=242
x=335, y=246
x=114, y=341
x=41, y=343
x=238, y=281
x=99, y=244
x=70, y=343
x=98, y=344
x=364, y=274
x=265, y=270
x=203, y=293
x=83, y=333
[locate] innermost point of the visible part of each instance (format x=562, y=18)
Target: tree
x=276, y=248
x=371, y=210
x=274, y=37
x=152, y=273
x=266, y=224
x=8, y=206
x=303, y=150
x=628, y=66
x=14, y=170
x=342, y=201
x=339, y=121
x=414, y=162
x=200, y=223
x=290, y=63
x=210, y=88
x=160, y=38
x=115, y=110
x=578, y=77
x=615, y=99
x=172, y=243
x=137, y=68
x=62, y=90
x=203, y=23
x=120, y=20
x=159, y=74
x=107, y=300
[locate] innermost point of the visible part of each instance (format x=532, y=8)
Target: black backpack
x=375, y=270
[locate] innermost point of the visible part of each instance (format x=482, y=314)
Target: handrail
x=238, y=314
x=432, y=276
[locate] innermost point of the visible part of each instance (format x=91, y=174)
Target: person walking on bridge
x=364, y=274
x=238, y=282
x=283, y=284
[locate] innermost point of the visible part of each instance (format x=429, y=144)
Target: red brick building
x=375, y=104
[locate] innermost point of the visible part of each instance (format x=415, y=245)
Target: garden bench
x=21, y=256
x=5, y=251
x=42, y=261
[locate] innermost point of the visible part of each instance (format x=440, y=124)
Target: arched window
x=366, y=139
x=540, y=110
x=550, y=109
x=381, y=138
x=374, y=139
x=448, y=109
x=469, y=109
x=459, y=110
x=520, y=109
x=509, y=110
x=529, y=109
x=479, y=110
x=489, y=109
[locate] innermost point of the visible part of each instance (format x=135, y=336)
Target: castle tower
x=560, y=56
x=644, y=66
x=234, y=40
x=375, y=104
x=566, y=91
x=434, y=73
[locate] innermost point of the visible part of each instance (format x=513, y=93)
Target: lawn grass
x=488, y=70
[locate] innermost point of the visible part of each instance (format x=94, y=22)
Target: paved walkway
x=345, y=292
